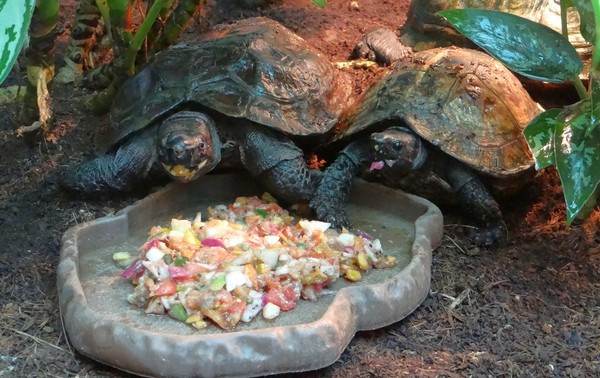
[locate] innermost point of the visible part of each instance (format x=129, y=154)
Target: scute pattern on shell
x=254, y=68
x=460, y=100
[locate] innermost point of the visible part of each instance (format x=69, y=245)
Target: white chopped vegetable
x=270, y=311
x=268, y=256
x=216, y=227
x=328, y=270
x=254, y=306
x=243, y=258
x=373, y=248
x=154, y=254
x=180, y=224
x=235, y=279
x=284, y=269
x=310, y=226
x=346, y=239
x=233, y=241
x=177, y=234
x=271, y=240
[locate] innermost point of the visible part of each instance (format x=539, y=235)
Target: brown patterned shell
x=254, y=68
x=460, y=100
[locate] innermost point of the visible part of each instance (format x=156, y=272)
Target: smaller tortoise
x=450, y=116
x=238, y=96
x=424, y=29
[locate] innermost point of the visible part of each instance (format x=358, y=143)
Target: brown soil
x=529, y=308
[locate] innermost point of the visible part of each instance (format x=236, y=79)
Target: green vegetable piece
x=301, y=245
x=526, y=47
x=168, y=259
x=217, y=284
x=178, y=312
x=122, y=259
x=180, y=261
x=262, y=213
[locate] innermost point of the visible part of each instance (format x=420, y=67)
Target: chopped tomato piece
x=165, y=287
x=285, y=298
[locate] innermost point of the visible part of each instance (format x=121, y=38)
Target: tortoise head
x=399, y=147
x=188, y=145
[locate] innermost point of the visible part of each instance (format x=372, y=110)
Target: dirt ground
x=529, y=308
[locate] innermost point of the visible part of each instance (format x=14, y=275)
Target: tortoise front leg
x=333, y=191
x=477, y=201
x=278, y=163
x=121, y=171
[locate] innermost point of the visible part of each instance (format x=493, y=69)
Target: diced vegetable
x=135, y=270
x=154, y=254
x=268, y=256
x=270, y=311
x=246, y=259
x=165, y=287
x=352, y=275
x=178, y=312
x=217, y=284
x=212, y=242
x=179, y=273
x=122, y=258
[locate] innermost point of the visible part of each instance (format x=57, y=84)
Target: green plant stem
x=563, y=19
x=580, y=88
x=136, y=42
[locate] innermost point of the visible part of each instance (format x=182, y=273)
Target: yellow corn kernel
x=199, y=324
x=194, y=318
x=362, y=260
x=352, y=275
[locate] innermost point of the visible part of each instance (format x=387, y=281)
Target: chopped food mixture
x=248, y=258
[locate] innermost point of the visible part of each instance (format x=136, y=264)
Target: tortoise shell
x=462, y=101
x=254, y=68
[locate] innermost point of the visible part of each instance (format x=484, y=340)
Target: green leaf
x=587, y=24
x=15, y=17
x=526, y=47
x=320, y=3
x=540, y=137
x=577, y=155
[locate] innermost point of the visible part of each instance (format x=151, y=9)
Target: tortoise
x=249, y=93
x=449, y=116
x=424, y=29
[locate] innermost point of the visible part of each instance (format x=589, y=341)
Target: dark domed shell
x=255, y=69
x=460, y=100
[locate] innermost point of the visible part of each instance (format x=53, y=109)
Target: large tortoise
x=451, y=116
x=238, y=95
x=424, y=29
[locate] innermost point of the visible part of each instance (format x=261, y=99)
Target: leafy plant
x=567, y=138
x=15, y=17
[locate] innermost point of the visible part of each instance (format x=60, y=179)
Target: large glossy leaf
x=587, y=24
x=526, y=47
x=540, y=137
x=15, y=16
x=577, y=156
x=320, y=3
